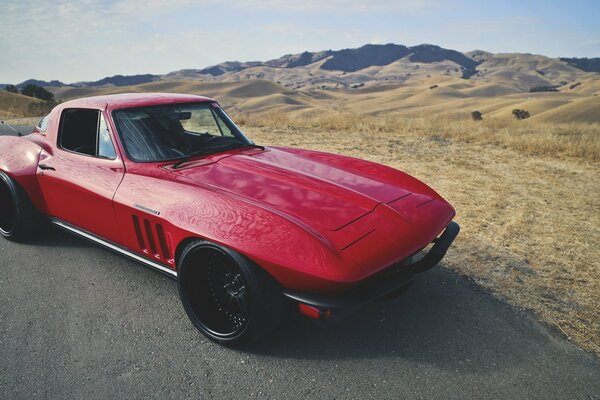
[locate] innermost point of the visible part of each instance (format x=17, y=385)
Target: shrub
x=520, y=114
x=38, y=92
x=11, y=89
x=477, y=116
x=543, y=89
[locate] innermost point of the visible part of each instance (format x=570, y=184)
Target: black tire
x=227, y=297
x=19, y=219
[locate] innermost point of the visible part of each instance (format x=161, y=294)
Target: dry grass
x=570, y=140
x=531, y=225
x=14, y=105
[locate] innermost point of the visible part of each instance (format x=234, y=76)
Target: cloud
x=342, y=6
x=89, y=39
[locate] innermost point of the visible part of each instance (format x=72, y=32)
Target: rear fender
x=19, y=159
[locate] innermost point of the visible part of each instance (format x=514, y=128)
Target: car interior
x=79, y=131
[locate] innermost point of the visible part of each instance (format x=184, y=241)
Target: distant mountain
x=41, y=83
x=352, y=60
x=117, y=80
x=376, y=65
x=121, y=80
x=427, y=53
x=584, y=64
x=228, y=66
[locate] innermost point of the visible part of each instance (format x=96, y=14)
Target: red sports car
x=248, y=231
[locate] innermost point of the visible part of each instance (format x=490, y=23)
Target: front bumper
x=383, y=284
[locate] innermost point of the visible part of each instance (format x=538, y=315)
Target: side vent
x=138, y=232
x=163, y=241
x=151, y=238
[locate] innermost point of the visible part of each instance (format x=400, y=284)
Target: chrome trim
x=144, y=208
x=115, y=248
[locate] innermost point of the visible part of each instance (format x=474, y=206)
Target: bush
x=11, y=89
x=477, y=116
x=520, y=114
x=38, y=92
x=543, y=89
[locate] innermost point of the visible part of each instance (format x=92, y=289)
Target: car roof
x=128, y=100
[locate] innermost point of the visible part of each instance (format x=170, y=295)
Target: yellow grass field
x=15, y=105
x=530, y=219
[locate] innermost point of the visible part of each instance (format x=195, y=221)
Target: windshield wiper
x=206, y=151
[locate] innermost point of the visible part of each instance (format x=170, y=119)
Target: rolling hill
x=381, y=64
x=13, y=105
x=416, y=81
x=415, y=98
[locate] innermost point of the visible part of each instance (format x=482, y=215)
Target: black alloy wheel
x=226, y=296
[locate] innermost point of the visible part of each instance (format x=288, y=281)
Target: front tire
x=19, y=218
x=227, y=297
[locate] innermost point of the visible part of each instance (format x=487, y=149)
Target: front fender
x=293, y=254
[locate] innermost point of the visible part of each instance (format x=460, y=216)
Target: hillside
x=448, y=96
x=585, y=64
x=401, y=81
x=14, y=105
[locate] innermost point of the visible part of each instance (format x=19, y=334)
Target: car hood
x=322, y=194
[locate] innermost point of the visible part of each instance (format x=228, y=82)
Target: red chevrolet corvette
x=248, y=231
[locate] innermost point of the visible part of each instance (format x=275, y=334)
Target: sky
x=88, y=40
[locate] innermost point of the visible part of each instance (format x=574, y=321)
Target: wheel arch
x=19, y=159
x=182, y=245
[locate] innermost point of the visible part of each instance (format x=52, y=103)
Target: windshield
x=176, y=131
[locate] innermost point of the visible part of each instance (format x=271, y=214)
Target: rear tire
x=19, y=219
x=227, y=297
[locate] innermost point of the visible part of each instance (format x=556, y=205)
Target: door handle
x=46, y=167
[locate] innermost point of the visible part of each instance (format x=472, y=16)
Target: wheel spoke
x=227, y=292
x=241, y=299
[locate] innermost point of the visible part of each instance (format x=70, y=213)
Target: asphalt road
x=78, y=321
x=24, y=129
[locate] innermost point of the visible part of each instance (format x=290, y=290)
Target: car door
x=80, y=178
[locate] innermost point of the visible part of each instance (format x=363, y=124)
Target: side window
x=84, y=131
x=43, y=124
x=105, y=145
